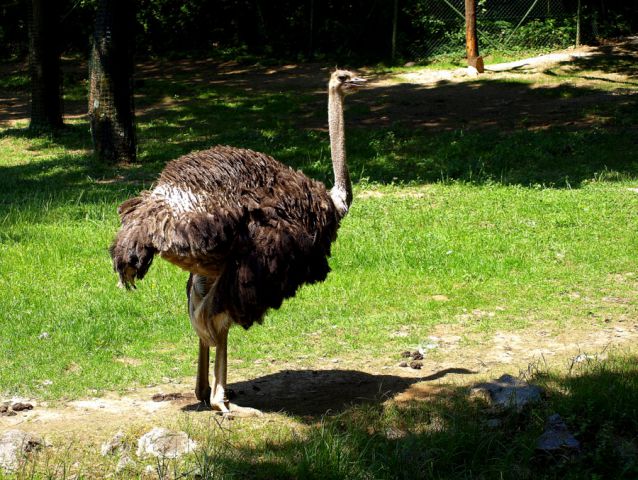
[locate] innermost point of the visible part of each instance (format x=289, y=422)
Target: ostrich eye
x=342, y=78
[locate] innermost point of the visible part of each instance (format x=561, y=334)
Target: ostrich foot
x=227, y=409
x=238, y=411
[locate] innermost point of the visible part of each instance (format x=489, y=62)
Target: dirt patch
x=551, y=90
x=307, y=394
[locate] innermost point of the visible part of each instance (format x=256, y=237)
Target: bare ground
x=332, y=385
x=429, y=99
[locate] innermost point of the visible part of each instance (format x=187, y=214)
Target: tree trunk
x=395, y=16
x=44, y=65
x=473, y=58
x=111, y=109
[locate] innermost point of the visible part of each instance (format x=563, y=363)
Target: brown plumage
x=262, y=228
x=249, y=229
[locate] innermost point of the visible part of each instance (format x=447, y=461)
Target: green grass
x=445, y=437
x=511, y=219
x=532, y=225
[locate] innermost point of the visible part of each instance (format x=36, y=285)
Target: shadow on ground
x=313, y=393
x=447, y=433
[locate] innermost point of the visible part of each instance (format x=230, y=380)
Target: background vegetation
x=337, y=30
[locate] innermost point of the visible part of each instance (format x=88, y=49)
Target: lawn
x=528, y=216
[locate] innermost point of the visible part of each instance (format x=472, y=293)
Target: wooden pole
x=578, y=25
x=395, y=15
x=311, y=34
x=471, y=40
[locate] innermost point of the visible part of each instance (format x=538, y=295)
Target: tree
x=111, y=108
x=44, y=65
x=471, y=38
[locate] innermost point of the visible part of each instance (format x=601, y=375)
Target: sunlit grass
x=531, y=226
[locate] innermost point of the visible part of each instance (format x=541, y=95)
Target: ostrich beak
x=356, y=82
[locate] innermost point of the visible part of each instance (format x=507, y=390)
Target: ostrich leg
x=219, y=401
x=202, y=387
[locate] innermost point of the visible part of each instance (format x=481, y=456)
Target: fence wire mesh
x=502, y=25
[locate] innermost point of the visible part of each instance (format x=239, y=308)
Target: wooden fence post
x=471, y=40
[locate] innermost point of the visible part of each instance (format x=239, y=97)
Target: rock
x=412, y=64
x=406, y=354
x=150, y=470
x=472, y=71
x=161, y=442
x=14, y=445
x=557, y=437
x=403, y=364
x=493, y=423
x=113, y=445
x=19, y=406
x=416, y=365
x=5, y=412
x=507, y=392
x=416, y=355
x=44, y=336
x=394, y=433
x=124, y=463
x=165, y=397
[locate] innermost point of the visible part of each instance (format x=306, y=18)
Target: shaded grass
x=446, y=434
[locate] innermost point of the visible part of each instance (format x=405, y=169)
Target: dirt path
x=330, y=387
x=432, y=99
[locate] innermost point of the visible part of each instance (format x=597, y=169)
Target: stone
x=394, y=433
x=507, y=392
x=124, y=463
x=113, y=445
x=14, y=446
x=164, y=443
x=416, y=365
x=5, y=412
x=166, y=397
x=557, y=437
x=19, y=406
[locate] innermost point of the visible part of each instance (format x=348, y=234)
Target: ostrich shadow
x=310, y=393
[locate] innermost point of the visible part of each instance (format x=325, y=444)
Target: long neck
x=342, y=191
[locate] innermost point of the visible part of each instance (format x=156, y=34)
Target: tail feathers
x=132, y=255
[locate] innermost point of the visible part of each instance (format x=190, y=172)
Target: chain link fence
x=503, y=26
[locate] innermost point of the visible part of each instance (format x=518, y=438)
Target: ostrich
x=249, y=229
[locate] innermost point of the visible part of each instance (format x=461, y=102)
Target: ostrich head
x=341, y=83
x=344, y=82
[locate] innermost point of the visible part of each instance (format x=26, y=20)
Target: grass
x=448, y=436
x=531, y=225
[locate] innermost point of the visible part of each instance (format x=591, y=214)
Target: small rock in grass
x=165, y=397
x=5, y=412
x=113, y=445
x=403, y=364
x=493, y=423
x=557, y=437
x=19, y=406
x=394, y=433
x=507, y=392
x=44, y=336
x=124, y=462
x=161, y=442
x=416, y=365
x=416, y=355
x=406, y=354
x=14, y=445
